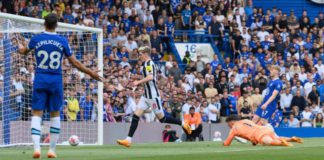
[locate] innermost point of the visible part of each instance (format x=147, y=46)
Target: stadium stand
x=246, y=38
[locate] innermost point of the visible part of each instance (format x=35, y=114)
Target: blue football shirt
x=272, y=86
x=49, y=51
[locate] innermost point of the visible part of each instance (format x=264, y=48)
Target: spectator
x=262, y=34
x=169, y=27
x=130, y=44
x=246, y=111
x=298, y=101
x=124, y=63
x=320, y=88
x=118, y=108
x=210, y=92
x=200, y=26
x=285, y=101
x=295, y=112
x=194, y=120
x=284, y=123
x=215, y=62
x=320, y=67
x=169, y=135
x=309, y=85
x=306, y=117
x=257, y=99
x=200, y=64
x=298, y=87
x=245, y=86
x=186, y=18
x=236, y=41
x=214, y=27
x=109, y=115
x=213, y=110
x=72, y=107
x=313, y=96
x=293, y=122
x=18, y=92
x=155, y=56
x=225, y=105
x=186, y=59
x=86, y=108
x=175, y=72
x=315, y=108
x=186, y=107
x=204, y=111
x=242, y=100
x=318, y=121
x=156, y=42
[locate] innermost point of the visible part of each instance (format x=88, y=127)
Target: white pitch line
x=266, y=148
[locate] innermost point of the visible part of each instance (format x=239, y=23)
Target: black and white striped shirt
x=150, y=87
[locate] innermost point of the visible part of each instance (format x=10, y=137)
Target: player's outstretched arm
x=230, y=138
x=22, y=48
x=77, y=64
x=144, y=80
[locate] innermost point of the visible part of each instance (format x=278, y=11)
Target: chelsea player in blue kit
x=49, y=50
x=272, y=96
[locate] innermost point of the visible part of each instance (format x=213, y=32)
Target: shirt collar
x=50, y=32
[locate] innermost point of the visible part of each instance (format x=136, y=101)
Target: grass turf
x=312, y=149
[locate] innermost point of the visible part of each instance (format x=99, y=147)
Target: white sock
x=54, y=132
x=129, y=139
x=36, y=131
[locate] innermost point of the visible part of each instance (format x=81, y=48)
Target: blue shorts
x=267, y=113
x=47, y=92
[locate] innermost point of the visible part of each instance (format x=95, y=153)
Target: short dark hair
x=192, y=108
x=51, y=21
x=232, y=118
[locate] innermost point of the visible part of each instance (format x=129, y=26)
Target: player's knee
x=162, y=120
x=139, y=112
x=135, y=118
x=55, y=114
x=266, y=140
x=38, y=113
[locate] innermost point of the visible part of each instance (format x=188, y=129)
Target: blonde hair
x=276, y=67
x=145, y=49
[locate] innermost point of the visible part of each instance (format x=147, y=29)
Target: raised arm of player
x=23, y=48
x=77, y=64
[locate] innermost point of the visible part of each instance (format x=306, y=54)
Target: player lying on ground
x=48, y=85
x=150, y=99
x=255, y=133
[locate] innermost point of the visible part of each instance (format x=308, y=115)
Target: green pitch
x=312, y=149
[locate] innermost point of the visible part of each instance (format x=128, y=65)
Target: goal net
x=82, y=111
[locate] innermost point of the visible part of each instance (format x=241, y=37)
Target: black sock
x=133, y=126
x=170, y=120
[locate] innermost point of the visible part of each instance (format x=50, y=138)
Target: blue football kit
x=48, y=83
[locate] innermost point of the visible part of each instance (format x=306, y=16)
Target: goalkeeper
x=255, y=133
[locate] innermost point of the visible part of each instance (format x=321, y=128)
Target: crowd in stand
x=250, y=38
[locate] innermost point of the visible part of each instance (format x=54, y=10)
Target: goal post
x=16, y=81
